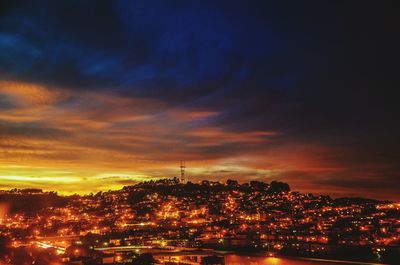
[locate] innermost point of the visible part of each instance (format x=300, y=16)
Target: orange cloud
x=30, y=94
x=73, y=141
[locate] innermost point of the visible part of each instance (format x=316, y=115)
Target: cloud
x=139, y=86
x=29, y=94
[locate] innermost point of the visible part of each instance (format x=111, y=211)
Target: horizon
x=88, y=193
x=102, y=94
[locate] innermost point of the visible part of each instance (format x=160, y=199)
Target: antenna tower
x=183, y=176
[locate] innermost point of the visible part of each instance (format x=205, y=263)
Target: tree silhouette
x=277, y=187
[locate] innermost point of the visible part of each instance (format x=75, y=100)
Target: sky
x=96, y=95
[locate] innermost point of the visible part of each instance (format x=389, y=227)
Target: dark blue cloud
x=311, y=56
x=134, y=47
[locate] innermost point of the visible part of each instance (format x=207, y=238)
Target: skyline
x=105, y=94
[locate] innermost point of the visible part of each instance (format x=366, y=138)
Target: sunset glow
x=236, y=95
x=199, y=132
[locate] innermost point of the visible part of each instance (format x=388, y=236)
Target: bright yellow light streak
x=40, y=179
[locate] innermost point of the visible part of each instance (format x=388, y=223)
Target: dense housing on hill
x=165, y=213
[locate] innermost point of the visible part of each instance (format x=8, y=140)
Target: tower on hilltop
x=183, y=176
